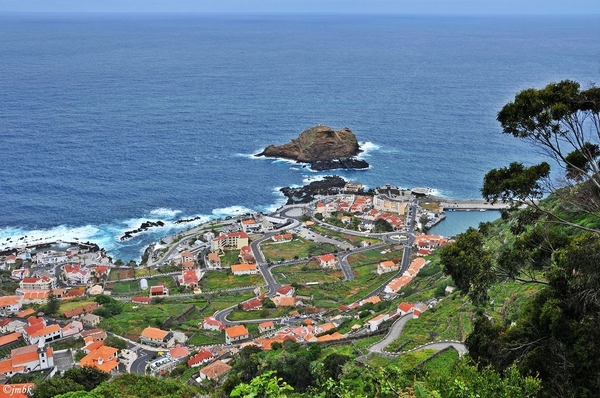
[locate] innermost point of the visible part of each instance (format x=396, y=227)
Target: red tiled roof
x=202, y=355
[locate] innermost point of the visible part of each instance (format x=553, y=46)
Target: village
x=331, y=270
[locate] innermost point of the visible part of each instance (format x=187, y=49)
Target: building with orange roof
x=282, y=238
x=430, y=242
x=387, y=266
x=405, y=308
x=103, y=358
x=253, y=304
x=46, y=334
x=236, y=333
x=214, y=371
x=190, y=278
x=327, y=260
x=233, y=240
x=80, y=310
x=188, y=265
x=187, y=256
x=286, y=290
x=266, y=327
x=373, y=300
x=156, y=337
x=415, y=266
x=31, y=296
x=76, y=275
x=284, y=301
x=141, y=300
x=27, y=359
x=91, y=345
x=376, y=321
x=10, y=304
x=43, y=283
x=330, y=337
x=246, y=255
x=396, y=284
x=213, y=260
x=203, y=356
x=250, y=226
x=9, y=338
x=179, y=352
x=244, y=269
x=25, y=313
x=211, y=323
x=158, y=290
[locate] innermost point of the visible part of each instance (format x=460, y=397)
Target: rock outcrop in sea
x=321, y=147
x=329, y=185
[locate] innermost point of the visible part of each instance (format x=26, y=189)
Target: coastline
x=168, y=227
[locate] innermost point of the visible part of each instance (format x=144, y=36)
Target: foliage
x=52, y=306
x=132, y=385
x=265, y=385
x=74, y=379
x=115, y=342
x=469, y=264
x=564, y=122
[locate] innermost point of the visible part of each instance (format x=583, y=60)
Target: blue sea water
x=108, y=121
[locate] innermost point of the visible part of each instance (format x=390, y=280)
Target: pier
x=468, y=204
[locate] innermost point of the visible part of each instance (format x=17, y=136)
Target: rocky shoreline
x=329, y=185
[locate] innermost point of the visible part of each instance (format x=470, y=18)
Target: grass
x=304, y=273
x=440, y=365
x=135, y=318
x=223, y=280
x=297, y=248
x=449, y=320
x=206, y=337
x=241, y=315
x=351, y=239
x=70, y=304
x=374, y=257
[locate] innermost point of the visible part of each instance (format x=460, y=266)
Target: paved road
x=394, y=332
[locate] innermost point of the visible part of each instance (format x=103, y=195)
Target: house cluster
x=368, y=208
x=28, y=338
x=426, y=244
x=190, y=273
x=398, y=283
x=284, y=297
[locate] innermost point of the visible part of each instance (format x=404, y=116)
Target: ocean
x=108, y=121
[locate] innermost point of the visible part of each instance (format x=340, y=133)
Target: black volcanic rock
x=329, y=185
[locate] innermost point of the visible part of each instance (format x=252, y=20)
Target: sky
x=477, y=7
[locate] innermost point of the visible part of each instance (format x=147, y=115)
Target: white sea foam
x=308, y=179
x=164, y=212
x=367, y=148
x=231, y=211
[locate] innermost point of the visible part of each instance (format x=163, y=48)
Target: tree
x=86, y=376
x=55, y=386
x=469, y=264
x=564, y=122
x=382, y=225
x=52, y=306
